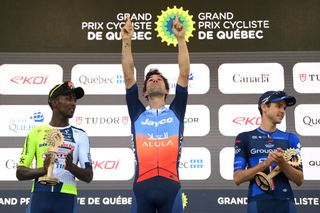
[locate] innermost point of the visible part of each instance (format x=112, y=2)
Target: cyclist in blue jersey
x=261, y=150
x=157, y=130
x=74, y=150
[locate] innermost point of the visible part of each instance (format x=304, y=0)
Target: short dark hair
x=155, y=72
x=260, y=110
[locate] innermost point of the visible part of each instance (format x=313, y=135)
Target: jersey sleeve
x=179, y=103
x=240, y=152
x=29, y=150
x=135, y=107
x=294, y=143
x=84, y=151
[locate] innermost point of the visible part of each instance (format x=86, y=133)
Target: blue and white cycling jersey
x=252, y=148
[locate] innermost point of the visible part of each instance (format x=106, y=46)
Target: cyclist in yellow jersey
x=74, y=150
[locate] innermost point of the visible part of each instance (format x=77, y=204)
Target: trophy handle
x=264, y=181
x=274, y=172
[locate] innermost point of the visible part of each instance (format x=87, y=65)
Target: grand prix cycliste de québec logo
x=165, y=21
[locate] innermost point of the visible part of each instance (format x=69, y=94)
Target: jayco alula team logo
x=165, y=21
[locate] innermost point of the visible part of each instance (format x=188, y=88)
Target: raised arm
x=127, y=58
x=183, y=53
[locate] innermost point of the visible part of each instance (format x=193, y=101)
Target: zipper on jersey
x=158, y=168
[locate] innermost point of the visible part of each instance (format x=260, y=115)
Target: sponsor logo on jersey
x=148, y=122
x=269, y=145
x=255, y=151
x=237, y=150
x=157, y=143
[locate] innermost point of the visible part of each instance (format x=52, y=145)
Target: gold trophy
x=265, y=181
x=54, y=139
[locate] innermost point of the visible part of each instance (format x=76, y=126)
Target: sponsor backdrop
x=238, y=51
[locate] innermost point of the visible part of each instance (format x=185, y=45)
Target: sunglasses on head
x=68, y=84
x=276, y=93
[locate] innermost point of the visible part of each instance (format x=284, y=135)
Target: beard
x=68, y=114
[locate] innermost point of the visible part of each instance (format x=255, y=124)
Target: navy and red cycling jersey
x=157, y=135
x=252, y=148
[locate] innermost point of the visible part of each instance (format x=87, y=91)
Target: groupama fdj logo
x=165, y=21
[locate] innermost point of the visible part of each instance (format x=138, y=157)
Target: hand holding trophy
x=54, y=139
x=265, y=181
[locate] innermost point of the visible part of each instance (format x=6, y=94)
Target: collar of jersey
x=155, y=111
x=265, y=132
x=59, y=127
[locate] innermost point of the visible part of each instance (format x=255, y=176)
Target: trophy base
x=48, y=181
x=263, y=181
